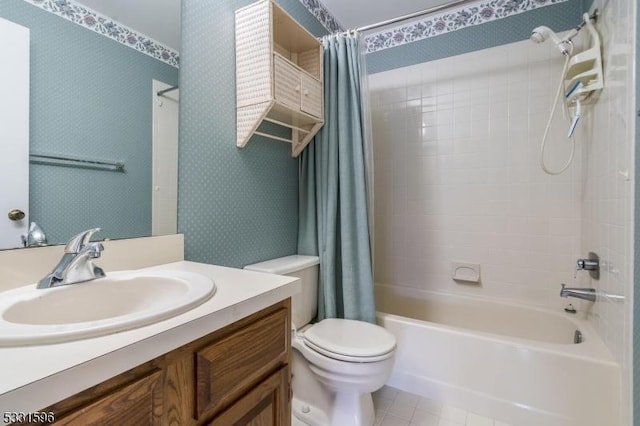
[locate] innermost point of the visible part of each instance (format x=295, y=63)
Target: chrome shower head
x=541, y=34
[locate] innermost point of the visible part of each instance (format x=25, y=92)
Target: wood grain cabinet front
x=228, y=368
x=238, y=375
x=139, y=403
x=267, y=404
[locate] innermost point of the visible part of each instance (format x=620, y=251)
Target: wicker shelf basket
x=278, y=77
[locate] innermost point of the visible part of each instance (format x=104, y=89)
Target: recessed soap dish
x=464, y=271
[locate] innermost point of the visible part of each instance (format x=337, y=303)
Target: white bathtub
x=511, y=362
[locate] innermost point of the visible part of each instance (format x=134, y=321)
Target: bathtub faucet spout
x=580, y=293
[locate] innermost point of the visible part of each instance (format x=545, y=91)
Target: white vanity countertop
x=34, y=377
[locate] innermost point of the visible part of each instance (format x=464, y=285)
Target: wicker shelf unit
x=278, y=76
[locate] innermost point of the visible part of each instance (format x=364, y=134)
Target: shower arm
x=593, y=18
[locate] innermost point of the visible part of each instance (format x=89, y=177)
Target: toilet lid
x=350, y=339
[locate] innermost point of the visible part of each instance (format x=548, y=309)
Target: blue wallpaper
x=91, y=98
x=236, y=206
x=77, y=13
x=559, y=17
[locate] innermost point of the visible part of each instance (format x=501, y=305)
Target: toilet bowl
x=336, y=363
x=347, y=372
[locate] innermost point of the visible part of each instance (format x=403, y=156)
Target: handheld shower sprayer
x=565, y=45
x=576, y=94
x=541, y=34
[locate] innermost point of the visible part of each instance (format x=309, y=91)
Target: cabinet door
x=311, y=99
x=14, y=122
x=229, y=367
x=265, y=405
x=286, y=83
x=140, y=403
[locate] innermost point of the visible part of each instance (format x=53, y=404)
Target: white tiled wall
x=607, y=204
x=457, y=177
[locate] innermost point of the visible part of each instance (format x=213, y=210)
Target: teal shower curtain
x=333, y=199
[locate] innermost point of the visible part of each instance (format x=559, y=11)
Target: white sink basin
x=120, y=301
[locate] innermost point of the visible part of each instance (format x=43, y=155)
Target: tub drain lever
x=577, y=337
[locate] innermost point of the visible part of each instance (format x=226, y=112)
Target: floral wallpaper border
x=322, y=14
x=452, y=20
x=106, y=26
x=434, y=25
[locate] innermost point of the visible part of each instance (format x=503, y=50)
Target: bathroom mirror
x=97, y=129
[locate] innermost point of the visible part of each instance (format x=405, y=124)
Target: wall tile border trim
x=451, y=20
x=435, y=25
x=101, y=24
x=322, y=14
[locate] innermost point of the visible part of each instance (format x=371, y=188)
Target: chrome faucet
x=580, y=293
x=76, y=265
x=587, y=264
x=591, y=264
x=35, y=237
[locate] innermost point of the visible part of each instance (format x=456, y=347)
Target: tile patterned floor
x=398, y=408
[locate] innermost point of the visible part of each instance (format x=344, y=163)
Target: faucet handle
x=94, y=250
x=591, y=264
x=80, y=241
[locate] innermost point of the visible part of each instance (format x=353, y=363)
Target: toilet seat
x=350, y=341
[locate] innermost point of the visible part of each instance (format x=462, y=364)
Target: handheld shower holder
x=586, y=67
x=582, y=73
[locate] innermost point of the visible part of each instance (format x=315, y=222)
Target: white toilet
x=336, y=363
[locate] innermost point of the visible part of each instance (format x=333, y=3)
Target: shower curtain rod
x=411, y=15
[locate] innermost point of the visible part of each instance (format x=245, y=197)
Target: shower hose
x=545, y=136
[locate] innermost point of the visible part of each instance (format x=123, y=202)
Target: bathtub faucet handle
x=587, y=264
x=590, y=264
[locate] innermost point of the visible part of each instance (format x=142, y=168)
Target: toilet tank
x=304, y=305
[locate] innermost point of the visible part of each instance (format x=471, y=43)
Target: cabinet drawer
x=311, y=99
x=226, y=369
x=286, y=83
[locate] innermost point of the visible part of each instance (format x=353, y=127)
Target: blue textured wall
x=90, y=97
x=559, y=17
x=236, y=206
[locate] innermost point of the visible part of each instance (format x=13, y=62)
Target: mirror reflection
x=88, y=140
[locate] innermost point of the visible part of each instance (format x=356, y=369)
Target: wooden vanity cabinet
x=238, y=375
x=265, y=405
x=227, y=368
x=139, y=403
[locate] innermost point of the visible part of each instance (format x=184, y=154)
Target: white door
x=164, y=200
x=14, y=133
